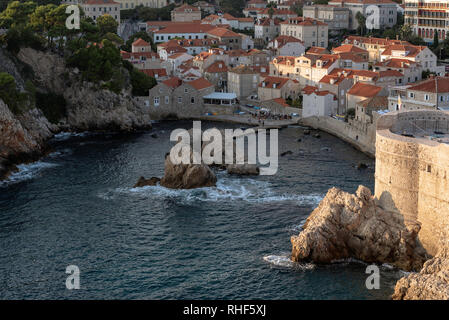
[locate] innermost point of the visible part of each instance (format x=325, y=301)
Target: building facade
x=311, y=32
x=427, y=17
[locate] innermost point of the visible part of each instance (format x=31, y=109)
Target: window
x=156, y=101
x=426, y=97
x=411, y=95
x=185, y=90
x=167, y=99
x=179, y=99
x=192, y=100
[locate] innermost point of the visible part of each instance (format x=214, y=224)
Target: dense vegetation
x=93, y=49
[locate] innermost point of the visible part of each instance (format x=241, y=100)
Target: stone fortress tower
x=412, y=171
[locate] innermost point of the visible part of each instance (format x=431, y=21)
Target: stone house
x=217, y=73
x=243, y=81
x=267, y=29
x=362, y=91
x=275, y=87
x=318, y=103
x=96, y=8
x=186, y=13
x=286, y=46
x=432, y=93
x=175, y=96
x=311, y=32
x=337, y=18
x=228, y=37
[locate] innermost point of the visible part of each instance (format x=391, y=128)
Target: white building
x=379, y=13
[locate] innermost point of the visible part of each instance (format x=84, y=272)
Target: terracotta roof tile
x=200, y=83
x=364, y=90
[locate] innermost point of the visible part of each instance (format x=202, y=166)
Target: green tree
x=361, y=20
x=107, y=24
x=141, y=34
x=435, y=39
x=16, y=13
x=9, y=93
x=141, y=83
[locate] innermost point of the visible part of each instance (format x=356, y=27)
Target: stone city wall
x=412, y=173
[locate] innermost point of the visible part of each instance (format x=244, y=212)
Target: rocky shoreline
x=24, y=136
x=354, y=226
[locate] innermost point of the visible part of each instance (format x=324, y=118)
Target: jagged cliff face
x=87, y=107
x=431, y=283
x=23, y=136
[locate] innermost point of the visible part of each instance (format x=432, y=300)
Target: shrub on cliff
x=140, y=82
x=16, y=101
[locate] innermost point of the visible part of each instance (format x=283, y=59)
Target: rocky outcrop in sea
x=352, y=226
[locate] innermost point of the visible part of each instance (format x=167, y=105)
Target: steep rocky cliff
x=352, y=226
x=23, y=134
x=431, y=283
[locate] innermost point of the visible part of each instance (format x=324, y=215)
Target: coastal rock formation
x=187, y=176
x=243, y=169
x=88, y=107
x=21, y=137
x=431, y=283
x=352, y=226
x=142, y=182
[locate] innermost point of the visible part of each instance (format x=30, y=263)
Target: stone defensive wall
x=412, y=171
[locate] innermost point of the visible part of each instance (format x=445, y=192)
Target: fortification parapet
x=412, y=171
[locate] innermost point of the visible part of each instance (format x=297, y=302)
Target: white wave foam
x=67, y=135
x=227, y=189
x=284, y=261
x=27, y=172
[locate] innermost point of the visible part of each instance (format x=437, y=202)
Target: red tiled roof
x=364, y=90
x=266, y=22
x=222, y=32
x=283, y=40
x=136, y=55
x=316, y=50
x=281, y=102
x=270, y=82
x=192, y=27
x=304, y=21
x=351, y=56
x=217, y=66
x=200, y=83
x=411, y=51
x=395, y=63
x=173, y=82
x=432, y=85
x=371, y=40
x=349, y=48
x=185, y=7
x=140, y=43
x=390, y=73
x=154, y=72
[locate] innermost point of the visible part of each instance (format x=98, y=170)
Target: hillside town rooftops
x=372, y=40
x=189, y=27
x=155, y=73
x=349, y=48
